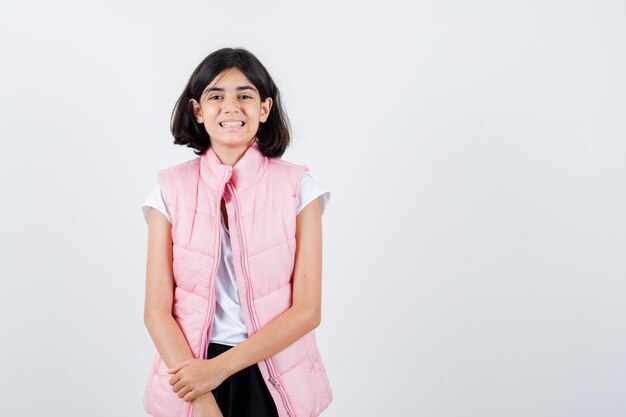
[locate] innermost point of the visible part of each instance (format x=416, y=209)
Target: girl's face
x=230, y=108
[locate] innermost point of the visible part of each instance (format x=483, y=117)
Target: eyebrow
x=220, y=89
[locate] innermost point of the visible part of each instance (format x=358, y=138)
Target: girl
x=233, y=280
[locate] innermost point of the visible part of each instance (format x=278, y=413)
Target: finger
x=183, y=391
x=178, y=386
x=175, y=378
x=190, y=396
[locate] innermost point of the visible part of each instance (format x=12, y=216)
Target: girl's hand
x=195, y=377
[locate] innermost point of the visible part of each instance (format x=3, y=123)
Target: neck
x=229, y=155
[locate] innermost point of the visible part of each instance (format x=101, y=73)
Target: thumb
x=178, y=366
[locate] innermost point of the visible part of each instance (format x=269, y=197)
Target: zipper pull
x=277, y=384
x=274, y=381
x=229, y=174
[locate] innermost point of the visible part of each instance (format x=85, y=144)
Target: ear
x=265, y=109
x=197, y=111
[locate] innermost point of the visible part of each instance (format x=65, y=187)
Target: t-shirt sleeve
x=155, y=199
x=310, y=189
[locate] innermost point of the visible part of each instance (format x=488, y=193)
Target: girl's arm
x=164, y=331
x=304, y=314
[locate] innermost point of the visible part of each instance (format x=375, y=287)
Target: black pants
x=243, y=394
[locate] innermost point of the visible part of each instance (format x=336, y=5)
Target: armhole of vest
x=301, y=171
x=164, y=183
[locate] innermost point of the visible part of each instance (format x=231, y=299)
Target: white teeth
x=231, y=124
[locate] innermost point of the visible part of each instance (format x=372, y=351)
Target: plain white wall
x=474, y=241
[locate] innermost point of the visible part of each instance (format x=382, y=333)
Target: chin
x=232, y=141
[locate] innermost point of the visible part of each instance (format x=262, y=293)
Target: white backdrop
x=474, y=241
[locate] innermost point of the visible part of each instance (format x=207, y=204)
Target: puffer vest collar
x=245, y=172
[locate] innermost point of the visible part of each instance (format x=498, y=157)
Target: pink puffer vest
x=260, y=195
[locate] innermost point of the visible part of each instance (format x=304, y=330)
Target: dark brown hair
x=273, y=135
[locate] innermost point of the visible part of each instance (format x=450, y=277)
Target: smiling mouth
x=238, y=123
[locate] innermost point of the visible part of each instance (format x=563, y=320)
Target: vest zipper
x=268, y=363
x=208, y=325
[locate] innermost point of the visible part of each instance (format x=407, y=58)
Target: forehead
x=230, y=78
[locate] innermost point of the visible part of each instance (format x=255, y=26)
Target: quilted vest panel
x=260, y=195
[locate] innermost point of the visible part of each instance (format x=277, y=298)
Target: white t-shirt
x=228, y=326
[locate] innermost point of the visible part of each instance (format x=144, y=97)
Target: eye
x=245, y=96
x=214, y=97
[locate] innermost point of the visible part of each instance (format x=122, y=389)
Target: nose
x=230, y=104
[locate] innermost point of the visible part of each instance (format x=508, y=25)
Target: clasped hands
x=195, y=377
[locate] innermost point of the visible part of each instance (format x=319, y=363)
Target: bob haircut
x=273, y=135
